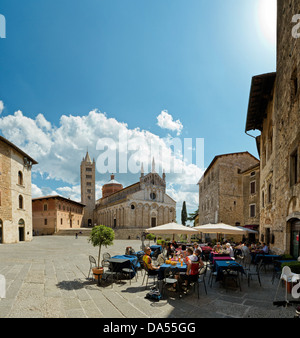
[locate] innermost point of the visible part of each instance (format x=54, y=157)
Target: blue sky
x=131, y=60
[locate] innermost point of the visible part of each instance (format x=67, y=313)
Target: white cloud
x=60, y=149
x=39, y=192
x=165, y=121
x=1, y=106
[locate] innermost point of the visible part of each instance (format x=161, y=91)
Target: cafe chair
x=93, y=264
x=111, y=273
x=129, y=271
x=155, y=254
x=140, y=265
x=149, y=276
x=105, y=257
x=255, y=271
x=213, y=274
x=201, y=278
x=232, y=272
x=276, y=271
x=169, y=278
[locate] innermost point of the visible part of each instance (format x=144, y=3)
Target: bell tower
x=88, y=186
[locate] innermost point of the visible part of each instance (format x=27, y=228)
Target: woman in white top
x=229, y=250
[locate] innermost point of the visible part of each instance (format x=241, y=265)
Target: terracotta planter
x=98, y=272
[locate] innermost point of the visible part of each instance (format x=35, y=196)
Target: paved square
x=47, y=278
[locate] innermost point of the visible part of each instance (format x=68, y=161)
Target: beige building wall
x=286, y=125
x=251, y=197
x=221, y=196
x=15, y=194
x=275, y=102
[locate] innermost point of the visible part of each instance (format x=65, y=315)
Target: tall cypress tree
x=183, y=214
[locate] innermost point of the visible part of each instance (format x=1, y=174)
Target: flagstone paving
x=47, y=278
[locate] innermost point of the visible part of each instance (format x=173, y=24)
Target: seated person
x=217, y=248
x=229, y=250
x=170, y=250
x=153, y=270
x=196, y=246
x=265, y=249
x=194, y=262
x=175, y=245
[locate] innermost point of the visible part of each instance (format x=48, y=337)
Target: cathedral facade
x=130, y=210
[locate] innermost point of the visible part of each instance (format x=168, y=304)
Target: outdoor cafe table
x=266, y=258
x=220, y=266
x=120, y=262
x=215, y=254
x=162, y=268
x=221, y=258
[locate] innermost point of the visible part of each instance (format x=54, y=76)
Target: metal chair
x=93, y=264
x=111, y=273
x=201, y=278
x=276, y=271
x=232, y=272
x=130, y=270
x=213, y=274
x=250, y=272
x=154, y=277
x=169, y=278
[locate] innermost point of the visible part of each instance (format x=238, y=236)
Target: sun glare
x=267, y=19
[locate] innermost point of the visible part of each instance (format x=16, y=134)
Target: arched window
x=20, y=202
x=20, y=178
x=21, y=222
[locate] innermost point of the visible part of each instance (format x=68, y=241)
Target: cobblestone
x=47, y=278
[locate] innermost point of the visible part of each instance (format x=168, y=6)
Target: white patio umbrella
x=172, y=229
x=221, y=228
x=250, y=231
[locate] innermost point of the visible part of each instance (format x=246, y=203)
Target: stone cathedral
x=128, y=210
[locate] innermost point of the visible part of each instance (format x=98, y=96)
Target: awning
x=251, y=226
x=260, y=95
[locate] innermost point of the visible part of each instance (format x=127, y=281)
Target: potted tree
x=101, y=235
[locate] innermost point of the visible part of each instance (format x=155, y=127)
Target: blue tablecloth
x=126, y=264
x=220, y=266
x=163, y=267
x=154, y=248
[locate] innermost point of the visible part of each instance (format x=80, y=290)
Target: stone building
x=273, y=110
x=228, y=190
x=88, y=189
x=132, y=209
x=54, y=213
x=15, y=193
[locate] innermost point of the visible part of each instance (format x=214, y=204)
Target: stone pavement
x=47, y=278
